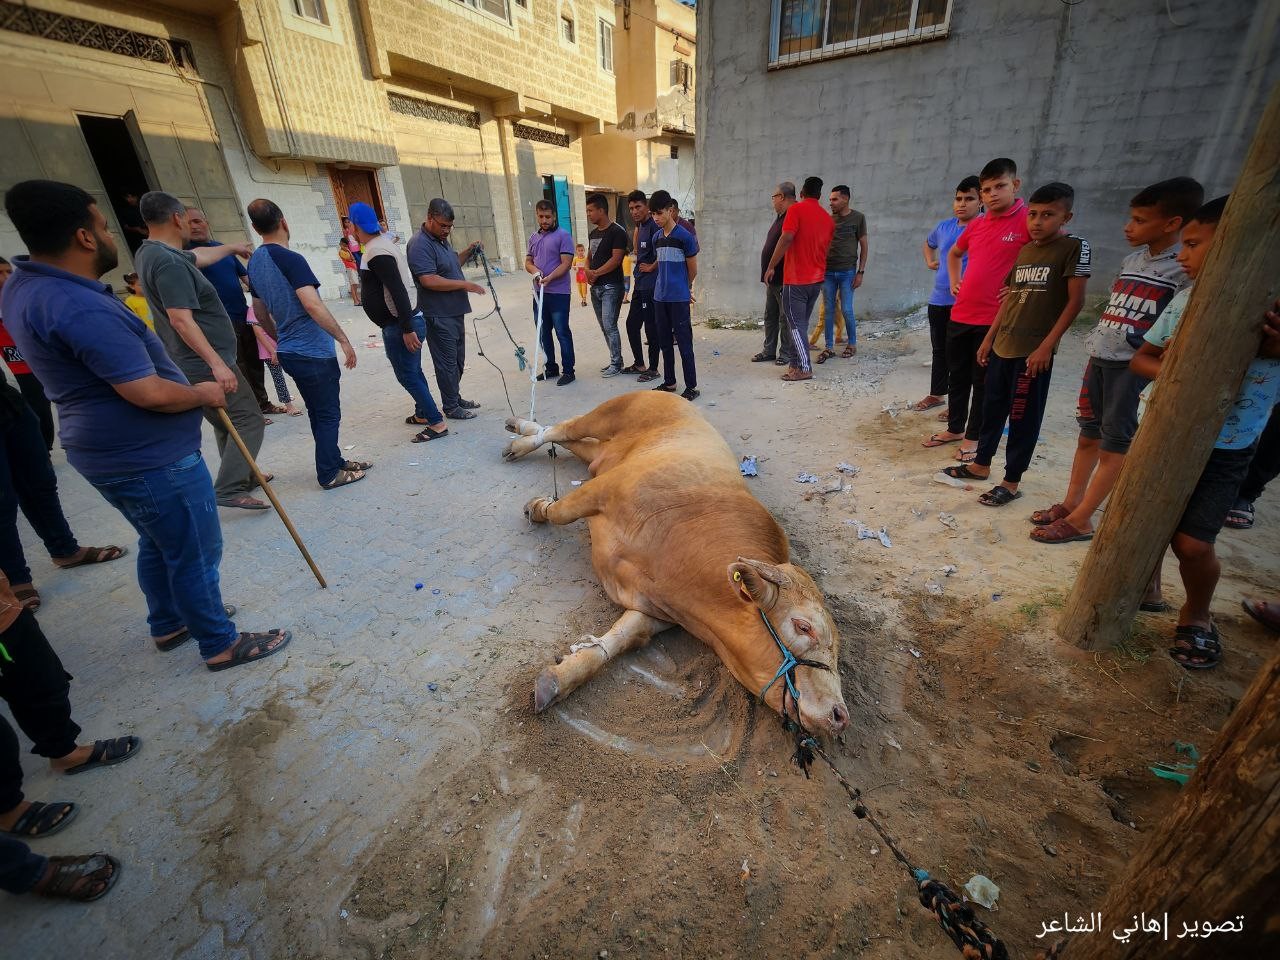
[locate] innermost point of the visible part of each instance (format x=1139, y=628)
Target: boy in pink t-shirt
x=992, y=242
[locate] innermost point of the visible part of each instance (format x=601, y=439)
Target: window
x=606, y=46
x=804, y=30
x=312, y=10
x=681, y=74
x=566, y=28
x=496, y=7
x=675, y=152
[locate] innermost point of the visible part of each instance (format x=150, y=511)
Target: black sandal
x=1197, y=648
x=998, y=496
x=963, y=472
x=356, y=466
x=178, y=639
x=1240, y=517
x=429, y=434
x=107, y=753
x=666, y=387
x=248, y=641
x=43, y=819
x=761, y=358
x=79, y=878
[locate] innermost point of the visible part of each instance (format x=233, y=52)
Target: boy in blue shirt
x=677, y=268
x=966, y=205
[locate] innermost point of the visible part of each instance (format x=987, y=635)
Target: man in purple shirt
x=549, y=258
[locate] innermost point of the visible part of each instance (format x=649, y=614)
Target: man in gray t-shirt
x=193, y=324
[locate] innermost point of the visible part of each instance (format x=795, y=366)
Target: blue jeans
x=555, y=319
x=179, y=548
x=607, y=300
x=841, y=282
x=407, y=366
x=317, y=381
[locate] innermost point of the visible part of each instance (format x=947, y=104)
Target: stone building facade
x=313, y=103
x=1108, y=97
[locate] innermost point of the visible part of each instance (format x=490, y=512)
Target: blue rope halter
x=787, y=671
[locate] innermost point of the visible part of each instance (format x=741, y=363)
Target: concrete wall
x=1108, y=97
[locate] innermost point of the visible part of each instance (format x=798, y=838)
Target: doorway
x=355, y=185
x=122, y=170
x=556, y=190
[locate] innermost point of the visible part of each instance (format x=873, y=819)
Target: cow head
x=794, y=605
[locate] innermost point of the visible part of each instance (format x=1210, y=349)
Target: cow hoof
x=509, y=452
x=545, y=690
x=513, y=424
x=535, y=511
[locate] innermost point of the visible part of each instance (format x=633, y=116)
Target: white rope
x=539, y=293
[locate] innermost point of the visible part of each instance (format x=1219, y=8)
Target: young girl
x=267, y=352
x=350, y=269
x=580, y=273
x=135, y=301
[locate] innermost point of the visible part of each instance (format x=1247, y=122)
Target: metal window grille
x=31, y=22
x=426, y=110
x=554, y=137
x=806, y=30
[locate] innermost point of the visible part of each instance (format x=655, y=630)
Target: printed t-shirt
x=1141, y=292
x=646, y=235
x=171, y=280
x=674, y=251
x=139, y=306
x=601, y=245
x=1259, y=391
x=429, y=255
x=12, y=355
x=79, y=340
x=843, y=252
x=1038, y=293
x=993, y=243
x=546, y=248
x=811, y=226
x=382, y=246
x=225, y=276
x=940, y=239
x=276, y=272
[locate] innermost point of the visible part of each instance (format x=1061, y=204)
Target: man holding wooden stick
x=130, y=422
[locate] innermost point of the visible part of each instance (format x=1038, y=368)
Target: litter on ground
x=806, y=478
x=749, y=467
x=949, y=521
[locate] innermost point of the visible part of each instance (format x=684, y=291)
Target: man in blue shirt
x=230, y=279
x=640, y=316
x=130, y=422
x=442, y=298
x=284, y=281
x=677, y=269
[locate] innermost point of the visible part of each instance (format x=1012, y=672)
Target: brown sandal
x=344, y=477
x=79, y=878
x=29, y=597
x=791, y=376
x=849, y=351
x=826, y=355
x=1042, y=518
x=90, y=555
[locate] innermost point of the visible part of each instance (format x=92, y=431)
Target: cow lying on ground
x=676, y=538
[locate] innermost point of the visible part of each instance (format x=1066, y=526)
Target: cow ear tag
x=742, y=587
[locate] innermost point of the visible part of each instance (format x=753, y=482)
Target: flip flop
x=428, y=435
x=93, y=555
x=1267, y=614
x=928, y=403
x=107, y=753
x=247, y=641
x=936, y=440
x=966, y=456
x=1059, y=532
x=999, y=496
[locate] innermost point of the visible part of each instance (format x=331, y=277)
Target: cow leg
x=631, y=631
x=569, y=433
x=578, y=503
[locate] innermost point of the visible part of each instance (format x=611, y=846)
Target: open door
x=564, y=212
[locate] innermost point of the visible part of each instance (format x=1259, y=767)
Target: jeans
x=406, y=364
x=607, y=301
x=675, y=329
x=839, y=282
x=251, y=365
x=33, y=393
x=35, y=685
x=20, y=869
x=939, y=317
x=447, y=340
x=797, y=305
x=318, y=384
x=777, y=338
x=27, y=480
x=555, y=321
x=1012, y=395
x=179, y=548
x=640, y=319
x=966, y=380
x=235, y=478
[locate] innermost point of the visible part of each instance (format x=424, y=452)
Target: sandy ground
x=385, y=791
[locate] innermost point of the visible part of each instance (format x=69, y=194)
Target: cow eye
x=803, y=626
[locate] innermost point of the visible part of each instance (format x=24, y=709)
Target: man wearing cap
x=442, y=298
x=385, y=283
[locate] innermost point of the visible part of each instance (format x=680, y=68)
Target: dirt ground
x=656, y=812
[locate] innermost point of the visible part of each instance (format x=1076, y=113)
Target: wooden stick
x=266, y=488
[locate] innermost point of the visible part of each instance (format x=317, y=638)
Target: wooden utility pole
x=1213, y=858
x=1217, y=337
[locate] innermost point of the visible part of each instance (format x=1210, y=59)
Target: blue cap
x=362, y=215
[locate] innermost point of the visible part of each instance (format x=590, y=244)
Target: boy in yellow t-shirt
x=628, y=264
x=136, y=302
x=580, y=272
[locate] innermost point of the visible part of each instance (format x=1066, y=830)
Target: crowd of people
x=203, y=321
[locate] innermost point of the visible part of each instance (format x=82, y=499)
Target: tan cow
x=676, y=538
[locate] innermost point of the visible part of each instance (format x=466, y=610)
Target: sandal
x=249, y=641
x=849, y=351
x=1154, y=606
x=244, y=502
x=937, y=440
x=342, y=478
x=963, y=472
x=826, y=355
x=1240, y=517
x=43, y=819
x=1059, y=532
x=966, y=456
x=107, y=753
x=1043, y=518
x=356, y=465
x=183, y=635
x=1196, y=648
x=82, y=879
x=945, y=415
x=91, y=555
x=29, y=597
x=998, y=496
x=761, y=358
x=1267, y=614
x=428, y=434
x=666, y=387
x=928, y=403
x=646, y=377
x=792, y=376
x=634, y=368
x=273, y=408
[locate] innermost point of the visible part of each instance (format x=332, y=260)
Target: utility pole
x=1217, y=337
x=1212, y=859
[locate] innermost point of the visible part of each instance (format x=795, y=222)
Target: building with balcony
x=313, y=103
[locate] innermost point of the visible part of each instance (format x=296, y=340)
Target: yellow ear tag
x=737, y=576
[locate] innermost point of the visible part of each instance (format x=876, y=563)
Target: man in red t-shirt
x=806, y=235
x=992, y=241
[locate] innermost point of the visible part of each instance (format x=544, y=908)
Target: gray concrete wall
x=1106, y=96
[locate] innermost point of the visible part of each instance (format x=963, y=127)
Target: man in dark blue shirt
x=130, y=422
x=641, y=314
x=229, y=278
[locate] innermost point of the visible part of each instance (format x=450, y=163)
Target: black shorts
x=1215, y=493
x=1108, y=407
